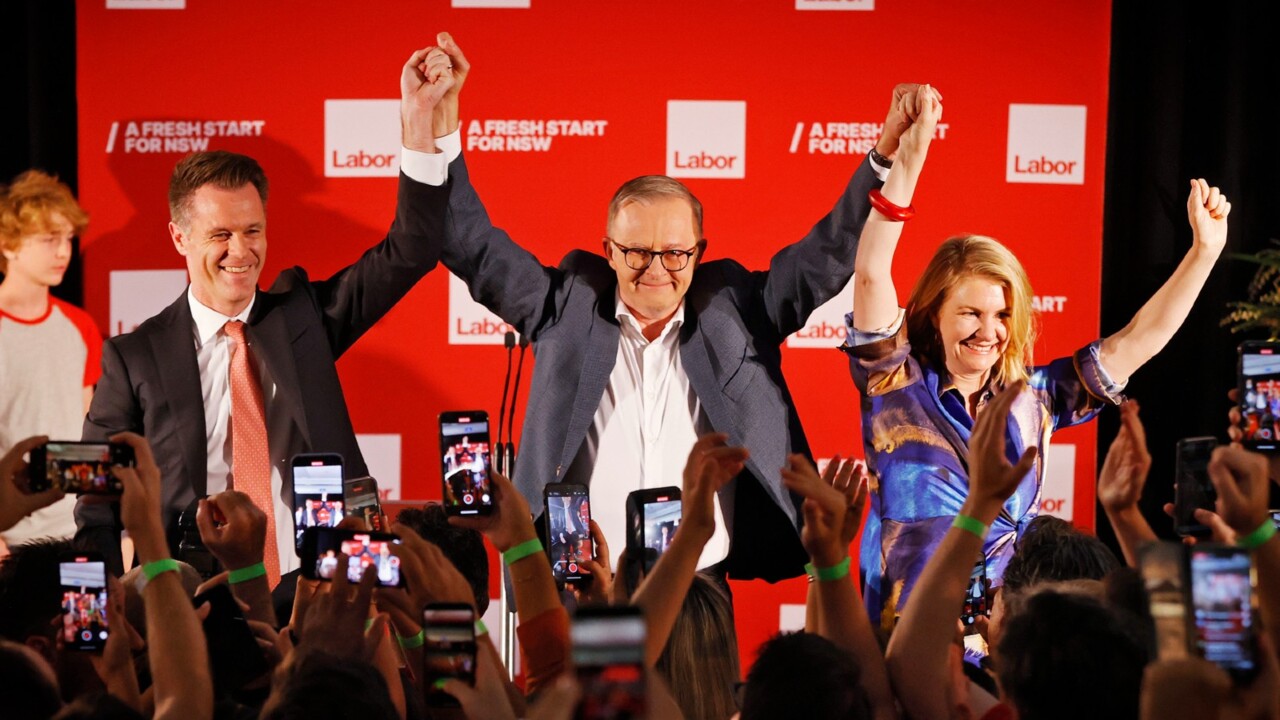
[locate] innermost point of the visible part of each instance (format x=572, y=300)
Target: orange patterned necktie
x=250, y=454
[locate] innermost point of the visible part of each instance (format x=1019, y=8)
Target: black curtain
x=1191, y=96
x=38, y=122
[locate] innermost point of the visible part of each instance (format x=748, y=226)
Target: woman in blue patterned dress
x=926, y=371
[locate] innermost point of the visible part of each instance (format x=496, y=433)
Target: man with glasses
x=643, y=348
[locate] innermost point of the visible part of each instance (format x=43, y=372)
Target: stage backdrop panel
x=763, y=108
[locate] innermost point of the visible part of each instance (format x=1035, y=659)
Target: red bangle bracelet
x=896, y=213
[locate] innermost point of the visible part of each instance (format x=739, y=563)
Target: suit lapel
x=600, y=355
x=270, y=339
x=174, y=348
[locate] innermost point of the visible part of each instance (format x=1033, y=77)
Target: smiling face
x=224, y=239
x=973, y=327
x=41, y=257
x=663, y=223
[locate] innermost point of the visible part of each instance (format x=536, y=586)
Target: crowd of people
x=1048, y=623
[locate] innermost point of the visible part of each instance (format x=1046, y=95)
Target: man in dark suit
x=638, y=354
x=227, y=359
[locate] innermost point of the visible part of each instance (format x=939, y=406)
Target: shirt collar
x=628, y=320
x=209, y=321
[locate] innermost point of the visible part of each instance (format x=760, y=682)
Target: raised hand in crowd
x=235, y=531
x=544, y=623
x=832, y=503
x=712, y=464
x=115, y=664
x=1240, y=478
x=599, y=590
x=181, y=679
x=902, y=113
x=15, y=502
x=424, y=81
x=919, y=651
x=1124, y=474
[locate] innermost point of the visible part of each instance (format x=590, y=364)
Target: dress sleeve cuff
x=451, y=144
x=857, y=337
x=426, y=168
x=1096, y=379
x=881, y=171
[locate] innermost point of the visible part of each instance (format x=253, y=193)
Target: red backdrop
x=271, y=66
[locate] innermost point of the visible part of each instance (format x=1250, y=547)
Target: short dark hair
x=320, y=687
x=223, y=169
x=463, y=547
x=1051, y=549
x=804, y=676
x=30, y=590
x=25, y=689
x=1067, y=655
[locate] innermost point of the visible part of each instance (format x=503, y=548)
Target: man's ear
x=606, y=246
x=179, y=237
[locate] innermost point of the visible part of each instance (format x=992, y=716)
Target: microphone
x=511, y=418
x=510, y=341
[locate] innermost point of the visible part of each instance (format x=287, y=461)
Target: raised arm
x=1124, y=473
x=918, y=652
x=875, y=299
x=841, y=617
x=1156, y=321
x=181, y=678
x=712, y=464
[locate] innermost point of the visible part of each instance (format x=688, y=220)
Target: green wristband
x=839, y=571
x=413, y=641
x=1253, y=540
x=522, y=551
x=159, y=567
x=973, y=525
x=480, y=628
x=246, y=574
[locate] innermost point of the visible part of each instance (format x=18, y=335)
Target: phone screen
x=362, y=549
x=569, y=531
x=450, y=649
x=1260, y=396
x=661, y=519
x=1192, y=488
x=361, y=495
x=82, y=468
x=1222, y=609
x=608, y=651
x=465, y=457
x=975, y=598
x=317, y=493
x=84, y=603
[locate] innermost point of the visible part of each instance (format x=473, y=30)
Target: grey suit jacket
x=730, y=346
x=151, y=382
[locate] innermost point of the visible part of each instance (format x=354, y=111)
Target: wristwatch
x=879, y=159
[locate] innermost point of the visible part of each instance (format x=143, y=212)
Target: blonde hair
x=28, y=205
x=964, y=257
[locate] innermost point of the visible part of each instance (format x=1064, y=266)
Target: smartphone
x=234, y=655
x=1220, y=603
x=1163, y=566
x=317, y=492
x=608, y=652
x=83, y=577
x=653, y=515
x=450, y=648
x=465, y=456
x=361, y=497
x=82, y=468
x=1192, y=488
x=975, y=598
x=322, y=545
x=568, y=519
x=1258, y=383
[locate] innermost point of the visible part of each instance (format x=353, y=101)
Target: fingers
x=204, y=521
x=1025, y=463
x=860, y=497
x=832, y=470
x=601, y=544
x=1222, y=532
x=212, y=582
x=447, y=43
x=141, y=450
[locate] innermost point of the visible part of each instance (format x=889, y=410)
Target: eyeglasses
x=642, y=258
